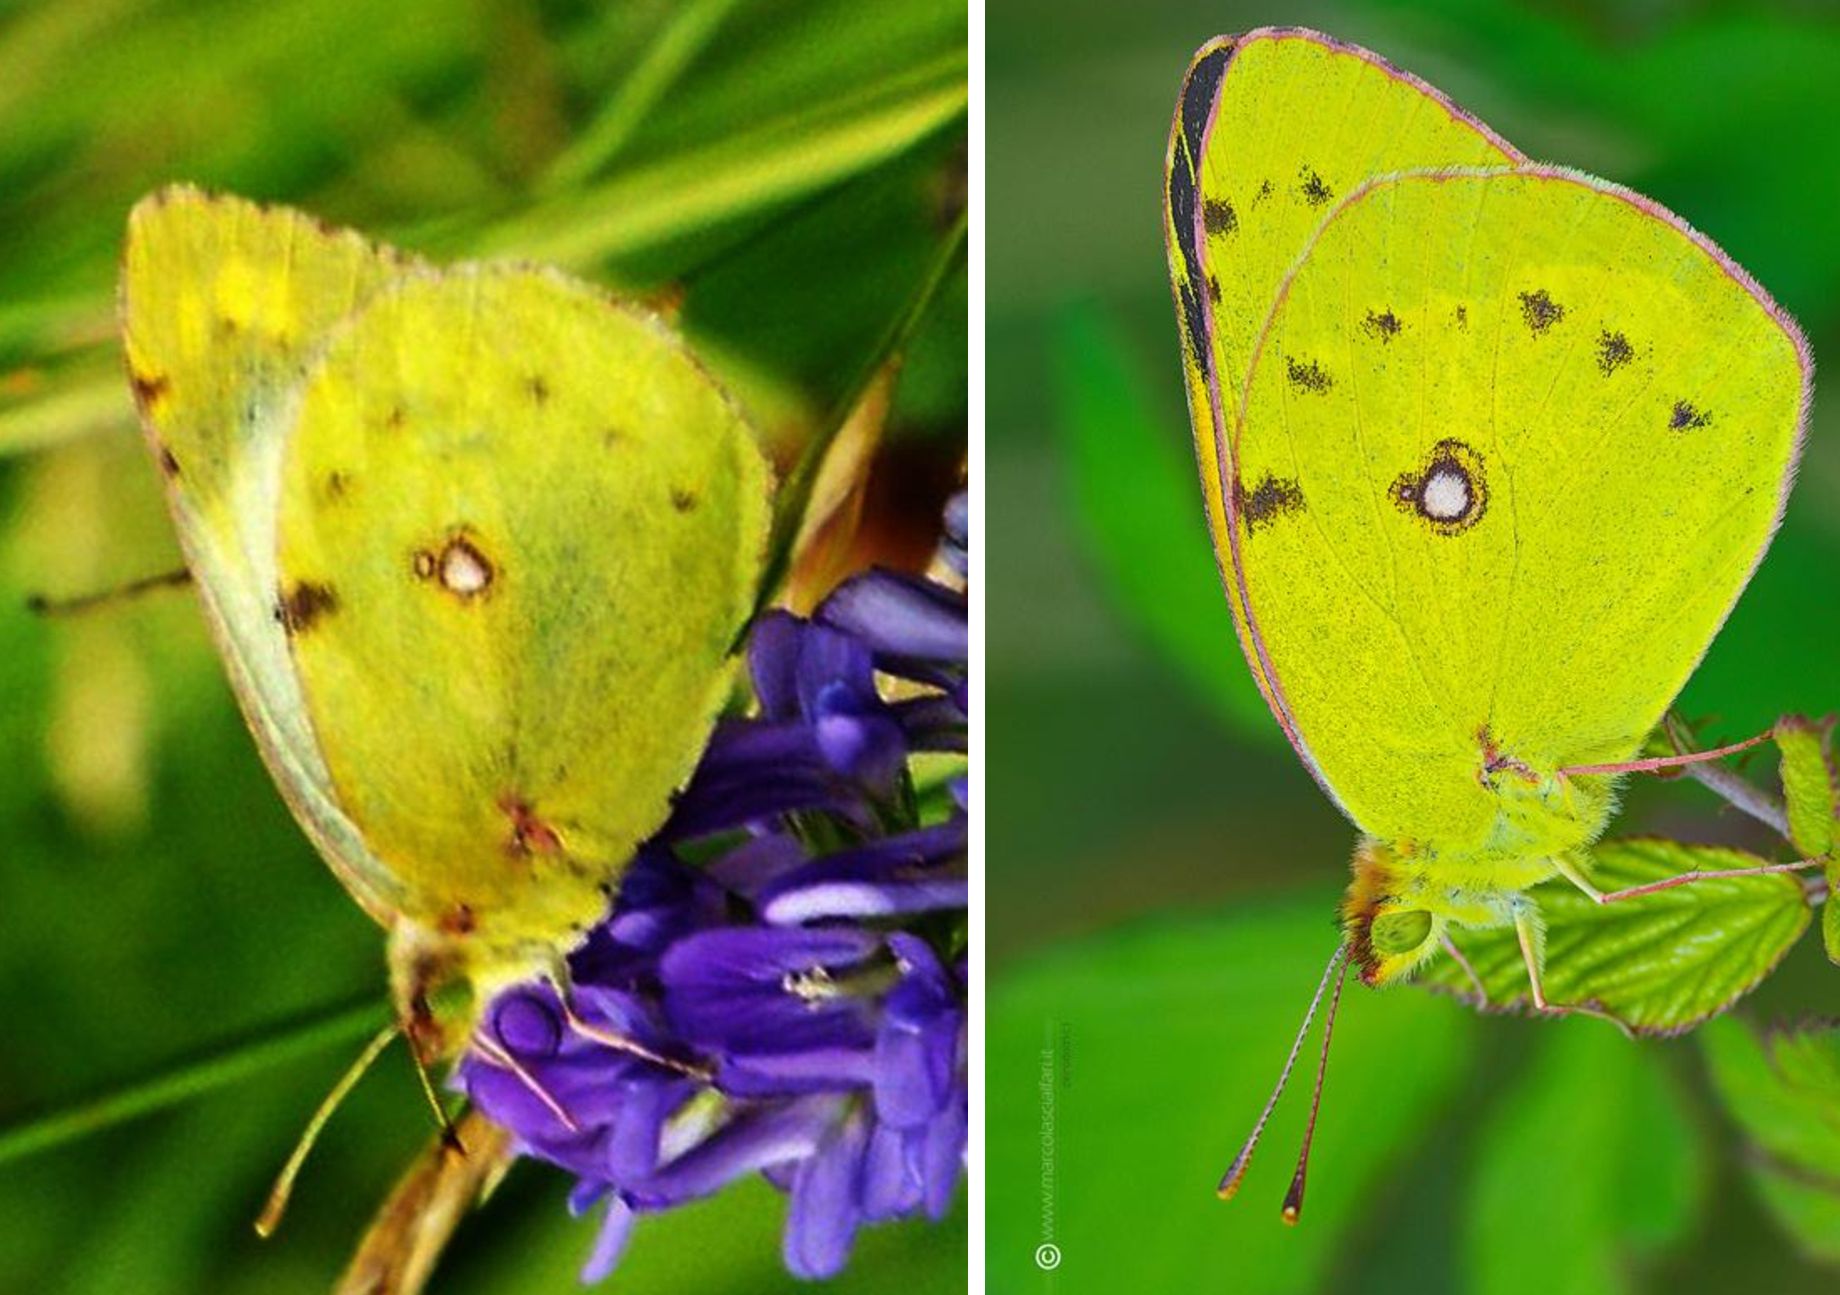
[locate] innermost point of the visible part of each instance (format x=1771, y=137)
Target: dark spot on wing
x=1263, y=193
x=168, y=464
x=460, y=568
x=1463, y=318
x=396, y=417
x=1539, y=311
x=1182, y=217
x=1311, y=189
x=1308, y=375
x=1271, y=499
x=149, y=388
x=1214, y=288
x=1449, y=493
x=1613, y=352
x=682, y=500
x=1382, y=326
x=337, y=483
x=538, y=388
x=1217, y=216
x=1686, y=416
x=1198, y=96
x=459, y=920
x=529, y=834
x=612, y=437
x=304, y=605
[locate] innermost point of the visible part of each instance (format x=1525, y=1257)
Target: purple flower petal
x=822, y=1218
x=808, y=1070
x=915, y=872
x=891, y=1178
x=756, y=771
x=955, y=545
x=773, y=662
x=752, y=1139
x=527, y=1025
x=744, y=990
x=932, y=723
x=942, y=1156
x=917, y=1046
x=610, y=1244
x=900, y=616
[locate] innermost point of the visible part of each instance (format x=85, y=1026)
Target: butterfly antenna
x=44, y=605
x=1293, y=1199
x=270, y=1218
x=1229, y=1182
x=449, y=1137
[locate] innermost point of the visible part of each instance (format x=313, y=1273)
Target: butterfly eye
x=1401, y=932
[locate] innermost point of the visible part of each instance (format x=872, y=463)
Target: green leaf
x=1125, y=1070
x=1808, y=783
x=1595, y=1130
x=1830, y=913
x=1784, y=1092
x=1660, y=963
x=1140, y=507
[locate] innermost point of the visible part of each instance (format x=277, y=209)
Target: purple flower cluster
x=781, y=984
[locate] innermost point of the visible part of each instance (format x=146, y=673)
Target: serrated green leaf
x=1595, y=1128
x=1808, y=783
x=1661, y=963
x=1784, y=1092
x=1140, y=508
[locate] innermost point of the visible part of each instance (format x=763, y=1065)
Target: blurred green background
x=1162, y=872
x=792, y=167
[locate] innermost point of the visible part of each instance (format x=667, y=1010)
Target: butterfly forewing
x=1274, y=128
x=223, y=302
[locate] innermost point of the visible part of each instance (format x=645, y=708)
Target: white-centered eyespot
x=1445, y=497
x=463, y=570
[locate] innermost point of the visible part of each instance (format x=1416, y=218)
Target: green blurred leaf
x=1808, y=783
x=765, y=165
x=1125, y=1070
x=1784, y=1092
x=1830, y=913
x=1660, y=963
x=1140, y=508
x=1594, y=1129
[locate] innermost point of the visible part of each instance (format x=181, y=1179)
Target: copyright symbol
x=1048, y=1257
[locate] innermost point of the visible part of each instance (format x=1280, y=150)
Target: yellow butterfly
x=475, y=544
x=1488, y=451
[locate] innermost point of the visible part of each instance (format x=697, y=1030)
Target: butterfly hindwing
x=1512, y=444
x=519, y=532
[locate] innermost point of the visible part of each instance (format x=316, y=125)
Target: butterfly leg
x=1661, y=763
x=609, y=1038
x=1456, y=956
x=1532, y=938
x=1568, y=868
x=1687, y=878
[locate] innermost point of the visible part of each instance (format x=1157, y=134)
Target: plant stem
x=232, y=1062
x=1740, y=795
x=795, y=492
